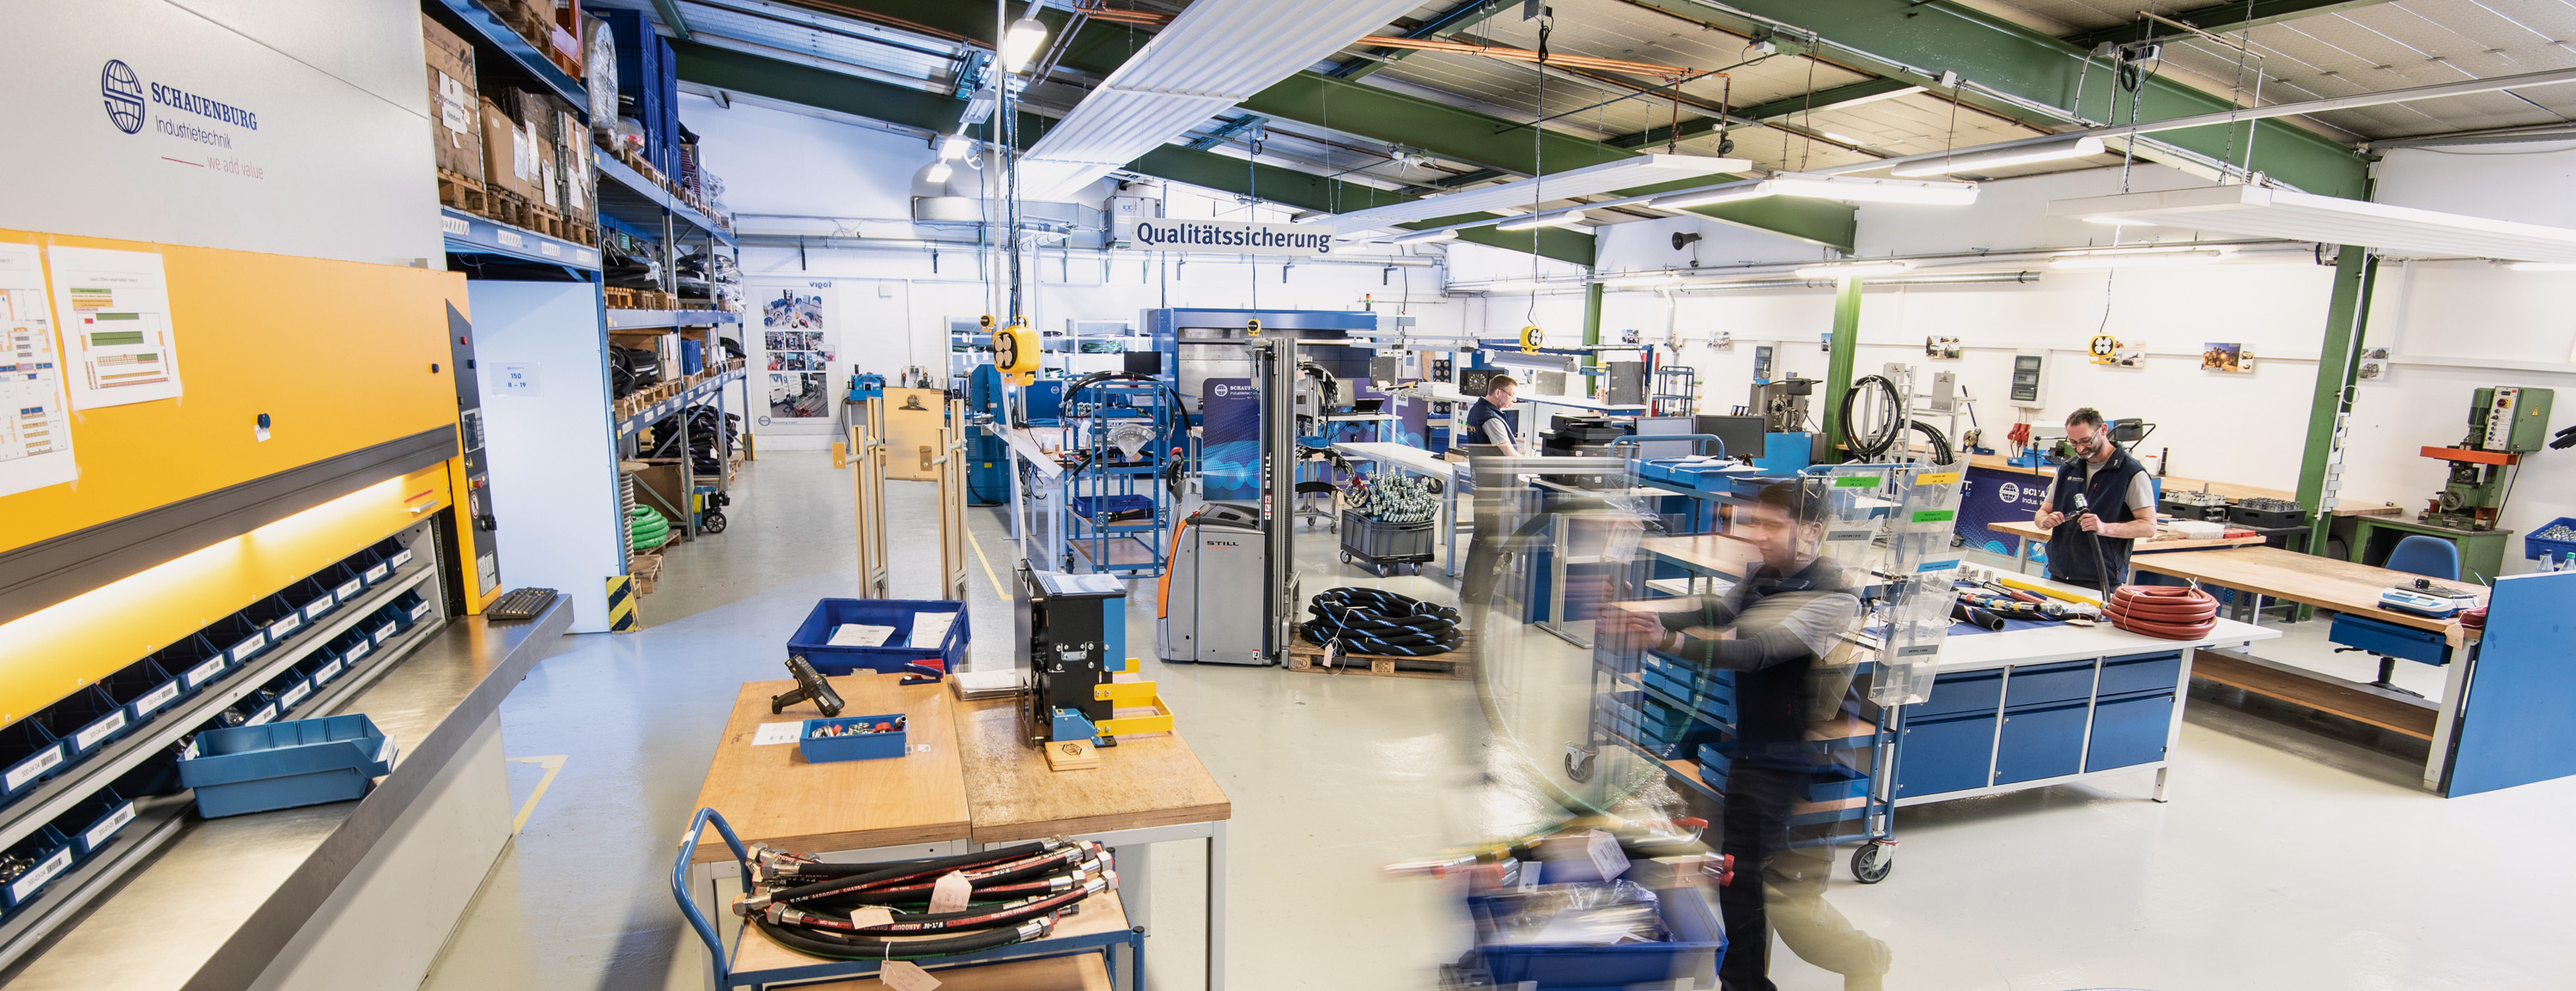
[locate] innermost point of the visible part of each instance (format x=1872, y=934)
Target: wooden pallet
x=1303, y=656
x=619, y=299
x=458, y=191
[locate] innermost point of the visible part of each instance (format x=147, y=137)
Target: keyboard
x=520, y=603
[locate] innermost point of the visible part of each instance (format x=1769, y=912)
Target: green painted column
x=2338, y=363
x=1838, y=364
x=1591, y=330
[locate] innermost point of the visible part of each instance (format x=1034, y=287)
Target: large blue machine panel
x=2044, y=742
x=2128, y=731
x=1939, y=755
x=2513, y=725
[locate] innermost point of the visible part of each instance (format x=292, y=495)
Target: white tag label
x=260, y=718
x=1606, y=856
x=455, y=225
x=380, y=633
x=550, y=249
x=360, y=649
x=420, y=610
x=242, y=651
x=155, y=699
x=385, y=752
x=323, y=675
x=904, y=975
x=204, y=673
x=509, y=238
x=950, y=893
x=401, y=557
x=378, y=573
x=871, y=915
x=191, y=752
x=291, y=696
x=36, y=764
x=772, y=734
x=104, y=727
x=107, y=827
x=349, y=589
x=285, y=625
x=26, y=886
x=315, y=608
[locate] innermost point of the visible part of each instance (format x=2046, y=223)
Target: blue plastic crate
x=50, y=854
x=409, y=608
x=85, y=719
x=322, y=667
x=812, y=637
x=284, y=765
x=196, y=662
x=278, y=616
x=28, y=754
x=91, y=822
x=868, y=746
x=238, y=637
x=370, y=567
x=1693, y=954
x=1106, y=509
x=2533, y=547
x=143, y=688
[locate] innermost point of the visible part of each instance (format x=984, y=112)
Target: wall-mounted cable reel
x=1015, y=352
x=1532, y=339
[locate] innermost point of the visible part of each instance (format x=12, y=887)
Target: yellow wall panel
x=338, y=354
x=50, y=653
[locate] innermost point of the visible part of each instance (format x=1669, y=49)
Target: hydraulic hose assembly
x=1890, y=422
x=1013, y=894
x=1376, y=621
x=2173, y=612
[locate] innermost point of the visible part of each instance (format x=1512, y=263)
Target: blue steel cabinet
x=2130, y=730
x=2040, y=684
x=1962, y=692
x=2042, y=742
x=1938, y=755
x=2142, y=673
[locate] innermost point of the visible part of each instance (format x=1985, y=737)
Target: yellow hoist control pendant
x=1015, y=352
x=1532, y=339
x=1252, y=327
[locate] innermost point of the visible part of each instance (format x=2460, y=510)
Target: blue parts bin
x=243, y=769
x=823, y=741
x=813, y=637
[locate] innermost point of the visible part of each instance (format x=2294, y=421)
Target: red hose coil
x=2167, y=611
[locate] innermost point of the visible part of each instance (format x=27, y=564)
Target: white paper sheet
x=929, y=628
x=859, y=635
x=115, y=313
x=35, y=412
x=770, y=734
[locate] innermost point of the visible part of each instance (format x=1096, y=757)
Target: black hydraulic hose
x=1942, y=453
x=1878, y=442
x=1376, y=621
x=862, y=948
x=901, y=872
x=1006, y=883
x=982, y=918
x=2101, y=572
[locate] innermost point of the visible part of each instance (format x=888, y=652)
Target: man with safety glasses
x=2099, y=506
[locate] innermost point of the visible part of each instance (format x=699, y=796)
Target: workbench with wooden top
x=968, y=782
x=2164, y=541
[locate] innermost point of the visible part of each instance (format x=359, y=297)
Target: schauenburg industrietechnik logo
x=123, y=94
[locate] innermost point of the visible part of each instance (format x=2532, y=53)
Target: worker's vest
x=2070, y=549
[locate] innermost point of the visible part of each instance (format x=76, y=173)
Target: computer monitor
x=1742, y=434
x=1648, y=426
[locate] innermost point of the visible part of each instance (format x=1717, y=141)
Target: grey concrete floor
x=2287, y=858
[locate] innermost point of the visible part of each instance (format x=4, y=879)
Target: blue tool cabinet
x=1995, y=729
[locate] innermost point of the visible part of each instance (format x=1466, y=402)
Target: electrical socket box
x=2030, y=379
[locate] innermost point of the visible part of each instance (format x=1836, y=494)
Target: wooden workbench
x=2164, y=541
x=2176, y=483
x=2323, y=582
x=1147, y=780
x=771, y=795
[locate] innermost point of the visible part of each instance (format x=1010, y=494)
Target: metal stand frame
x=864, y=454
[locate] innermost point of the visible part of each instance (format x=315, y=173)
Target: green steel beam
x=1791, y=106
x=1914, y=41
x=2218, y=18
x=1591, y=326
x=2338, y=367
x=1843, y=349
x=743, y=72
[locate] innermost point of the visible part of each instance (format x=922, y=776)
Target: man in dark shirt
x=1782, y=630
x=1488, y=435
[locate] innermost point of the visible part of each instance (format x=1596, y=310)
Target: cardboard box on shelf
x=455, y=132
x=549, y=182
x=572, y=147
x=509, y=157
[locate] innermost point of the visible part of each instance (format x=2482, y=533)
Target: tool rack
x=1107, y=485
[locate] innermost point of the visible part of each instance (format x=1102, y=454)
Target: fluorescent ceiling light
x=1854, y=270
x=2117, y=221
x=1861, y=190
x=978, y=110
x=2541, y=266
x=2001, y=157
x=1535, y=221
x=1844, y=138
x=937, y=172
x=1021, y=43
x=1711, y=197
x=956, y=146
x=1627, y=173
x=1196, y=67
x=2181, y=254
x=1426, y=237
x=2290, y=215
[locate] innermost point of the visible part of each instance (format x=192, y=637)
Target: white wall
x=338, y=165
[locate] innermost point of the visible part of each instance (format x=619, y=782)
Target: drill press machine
x=2505, y=423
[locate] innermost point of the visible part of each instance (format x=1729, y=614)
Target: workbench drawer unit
x=1992, y=728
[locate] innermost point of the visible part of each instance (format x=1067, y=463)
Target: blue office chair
x=2432, y=557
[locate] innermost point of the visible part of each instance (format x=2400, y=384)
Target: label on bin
x=385, y=752
x=265, y=713
x=323, y=675
x=349, y=589
x=251, y=645
x=285, y=624
x=378, y=573
x=106, y=726
x=379, y=634
x=107, y=827
x=400, y=558
x=1935, y=515
x=204, y=673
x=153, y=700
x=315, y=608
x=360, y=649
x=420, y=610
x=28, y=884
x=1857, y=481
x=33, y=767
x=291, y=696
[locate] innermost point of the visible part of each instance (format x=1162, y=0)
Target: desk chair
x=2432, y=557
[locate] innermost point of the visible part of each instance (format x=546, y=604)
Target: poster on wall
x=795, y=335
x=35, y=417
x=2226, y=358
x=115, y=311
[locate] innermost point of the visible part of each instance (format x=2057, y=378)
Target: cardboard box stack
x=456, y=132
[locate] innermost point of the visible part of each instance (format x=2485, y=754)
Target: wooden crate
x=1303, y=656
x=459, y=191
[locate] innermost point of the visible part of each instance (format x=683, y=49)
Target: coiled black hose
x=823, y=944
x=1376, y=621
x=1865, y=448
